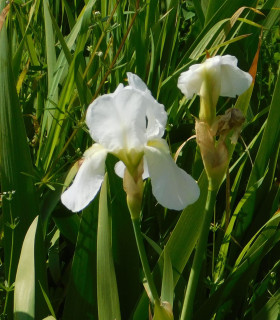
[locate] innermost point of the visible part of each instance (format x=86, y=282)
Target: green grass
x=58, y=56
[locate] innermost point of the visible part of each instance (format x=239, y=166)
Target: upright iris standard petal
x=226, y=60
x=87, y=181
x=155, y=114
x=156, y=120
x=172, y=187
x=221, y=69
x=127, y=118
x=137, y=83
x=117, y=121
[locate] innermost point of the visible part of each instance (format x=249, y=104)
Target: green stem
x=187, y=310
x=144, y=260
x=10, y=263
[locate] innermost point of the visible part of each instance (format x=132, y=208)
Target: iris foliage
x=56, y=57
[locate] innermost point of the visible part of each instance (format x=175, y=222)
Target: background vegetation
x=55, y=58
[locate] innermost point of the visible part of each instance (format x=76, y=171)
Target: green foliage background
x=55, y=58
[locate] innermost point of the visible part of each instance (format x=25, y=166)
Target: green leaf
x=53, y=116
x=215, y=20
x=257, y=241
x=50, y=49
x=107, y=290
x=182, y=241
x=153, y=244
x=31, y=280
x=24, y=297
x=250, y=22
x=219, y=269
x=267, y=153
x=199, y=11
x=15, y=163
x=212, y=8
x=219, y=8
x=47, y=300
x=53, y=259
x=167, y=289
x=260, y=244
x=272, y=16
x=162, y=312
x=68, y=225
x=125, y=253
x=81, y=299
x=271, y=310
x=70, y=17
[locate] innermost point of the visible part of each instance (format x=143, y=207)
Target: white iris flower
x=217, y=76
x=129, y=124
x=229, y=80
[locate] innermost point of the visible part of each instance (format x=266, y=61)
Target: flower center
x=131, y=158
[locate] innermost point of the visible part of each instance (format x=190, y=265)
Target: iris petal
x=172, y=187
x=137, y=83
x=87, y=181
x=155, y=112
x=117, y=121
x=234, y=81
x=228, y=60
x=119, y=169
x=190, y=81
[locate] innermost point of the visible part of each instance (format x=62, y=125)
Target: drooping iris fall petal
x=88, y=180
x=172, y=187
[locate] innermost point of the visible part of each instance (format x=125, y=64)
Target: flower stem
x=144, y=260
x=187, y=310
x=11, y=259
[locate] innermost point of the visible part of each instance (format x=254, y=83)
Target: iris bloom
x=129, y=123
x=217, y=76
